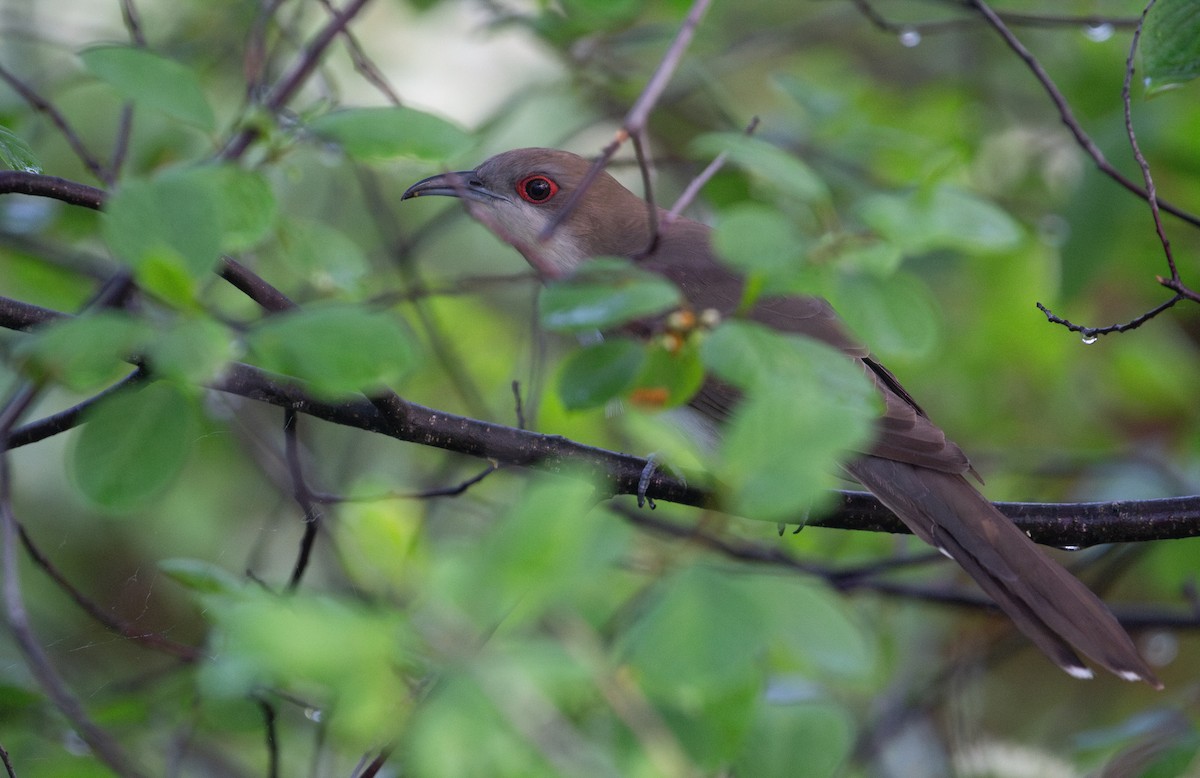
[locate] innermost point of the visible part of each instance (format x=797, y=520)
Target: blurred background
x=523, y=628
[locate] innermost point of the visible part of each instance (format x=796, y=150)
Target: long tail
x=1053, y=608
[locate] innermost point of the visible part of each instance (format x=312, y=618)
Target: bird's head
x=516, y=194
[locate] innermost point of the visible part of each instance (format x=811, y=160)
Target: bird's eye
x=536, y=189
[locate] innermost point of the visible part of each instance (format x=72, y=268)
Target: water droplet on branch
x=1098, y=33
x=909, y=37
x=1089, y=339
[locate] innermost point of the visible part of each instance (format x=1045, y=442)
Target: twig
x=57, y=423
x=872, y=14
x=1151, y=192
x=303, y=496
x=1056, y=524
x=182, y=650
x=290, y=83
x=363, y=63
x=8, y=765
x=635, y=119
x=696, y=184
x=132, y=22
x=44, y=106
x=99, y=741
x=272, y=738
x=1091, y=333
x=1067, y=116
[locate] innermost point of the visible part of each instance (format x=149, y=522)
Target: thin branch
x=635, y=119
x=1091, y=333
x=102, y=744
x=287, y=86
x=272, y=736
x=303, y=496
x=57, y=423
x=696, y=184
x=133, y=23
x=45, y=107
x=124, y=629
x=8, y=765
x=1066, y=115
x=363, y=64
x=1073, y=525
x=1151, y=192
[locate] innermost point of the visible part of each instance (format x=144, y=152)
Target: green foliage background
x=919, y=178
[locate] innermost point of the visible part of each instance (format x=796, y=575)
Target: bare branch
x=1066, y=115
x=635, y=119
x=45, y=107
x=287, y=86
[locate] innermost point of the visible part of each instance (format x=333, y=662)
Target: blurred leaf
x=944, y=218
x=757, y=239
x=192, y=350
x=201, y=576
x=602, y=294
x=895, y=314
x=458, y=732
x=807, y=406
x=698, y=637
x=329, y=258
x=152, y=81
x=173, y=220
x=769, y=165
x=84, y=352
x=337, y=350
x=1171, y=44
x=245, y=203
x=386, y=133
x=811, y=630
x=133, y=446
x=670, y=375
x=811, y=740
x=379, y=542
x=15, y=153
x=535, y=557
x=594, y=375
x=325, y=650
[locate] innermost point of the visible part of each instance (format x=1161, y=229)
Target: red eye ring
x=536, y=189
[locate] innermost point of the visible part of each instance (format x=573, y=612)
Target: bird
x=910, y=466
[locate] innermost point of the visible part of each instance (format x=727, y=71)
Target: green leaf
x=757, y=239
x=945, y=217
x=1171, y=44
x=386, y=133
x=895, y=314
x=594, y=375
x=174, y=219
x=812, y=631
x=329, y=258
x=767, y=165
x=697, y=638
x=670, y=375
x=817, y=735
x=806, y=407
x=338, y=350
x=133, y=446
x=84, y=352
x=15, y=153
x=329, y=651
x=194, y=351
x=603, y=294
x=152, y=81
x=201, y=576
x=246, y=206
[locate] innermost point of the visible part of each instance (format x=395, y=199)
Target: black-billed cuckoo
x=911, y=467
